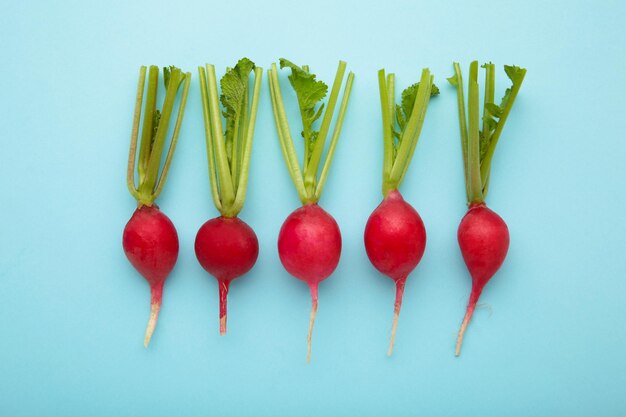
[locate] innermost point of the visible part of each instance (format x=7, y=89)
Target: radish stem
x=209, y=138
x=226, y=190
x=335, y=138
x=310, y=174
x=132, y=154
x=250, y=121
x=387, y=128
x=147, y=133
x=284, y=134
x=174, y=142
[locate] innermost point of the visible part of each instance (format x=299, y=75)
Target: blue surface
x=73, y=311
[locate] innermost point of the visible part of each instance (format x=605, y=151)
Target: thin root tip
x=223, y=326
x=154, y=315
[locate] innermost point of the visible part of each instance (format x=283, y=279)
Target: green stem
x=473, y=150
x=458, y=82
x=422, y=116
x=387, y=135
x=234, y=152
x=243, y=133
x=490, y=87
x=412, y=131
x=146, y=189
x=310, y=174
x=247, y=142
x=335, y=137
x=284, y=134
x=486, y=164
x=174, y=141
x=209, y=138
x=132, y=153
x=147, y=132
x=226, y=189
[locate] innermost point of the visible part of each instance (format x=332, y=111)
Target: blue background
x=550, y=337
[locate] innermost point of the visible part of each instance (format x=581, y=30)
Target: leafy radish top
x=229, y=150
x=409, y=115
x=154, y=131
x=309, y=92
x=479, y=145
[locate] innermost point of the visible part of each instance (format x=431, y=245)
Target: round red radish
x=484, y=241
x=150, y=242
x=309, y=246
x=226, y=248
x=395, y=239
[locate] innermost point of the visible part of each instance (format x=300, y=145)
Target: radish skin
x=309, y=247
x=484, y=241
x=395, y=239
x=150, y=243
x=226, y=248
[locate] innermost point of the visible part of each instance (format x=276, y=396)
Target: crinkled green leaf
x=309, y=92
x=234, y=84
x=400, y=118
x=515, y=73
x=408, y=100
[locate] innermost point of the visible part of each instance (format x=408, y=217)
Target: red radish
x=150, y=240
x=309, y=242
x=227, y=247
x=483, y=236
x=395, y=237
x=151, y=245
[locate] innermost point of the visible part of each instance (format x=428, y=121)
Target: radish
x=483, y=236
x=309, y=242
x=226, y=246
x=150, y=240
x=395, y=237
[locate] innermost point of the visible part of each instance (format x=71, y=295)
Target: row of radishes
x=309, y=242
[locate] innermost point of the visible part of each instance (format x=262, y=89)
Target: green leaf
x=400, y=118
x=452, y=80
x=234, y=84
x=166, y=76
x=515, y=73
x=408, y=98
x=309, y=92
